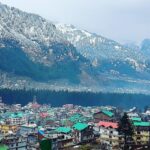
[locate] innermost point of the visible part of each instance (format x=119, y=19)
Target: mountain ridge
x=54, y=54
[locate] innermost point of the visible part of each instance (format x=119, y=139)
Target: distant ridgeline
x=60, y=98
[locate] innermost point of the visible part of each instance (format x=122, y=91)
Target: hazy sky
x=121, y=20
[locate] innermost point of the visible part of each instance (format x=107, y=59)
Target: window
x=138, y=132
x=138, y=138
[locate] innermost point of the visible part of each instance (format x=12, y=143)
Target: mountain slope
x=20, y=64
x=95, y=46
x=32, y=39
x=145, y=46
x=36, y=53
x=107, y=55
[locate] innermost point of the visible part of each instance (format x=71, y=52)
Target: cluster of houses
x=68, y=127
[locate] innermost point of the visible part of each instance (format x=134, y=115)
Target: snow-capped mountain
x=101, y=51
x=31, y=31
x=95, y=46
x=42, y=53
x=38, y=42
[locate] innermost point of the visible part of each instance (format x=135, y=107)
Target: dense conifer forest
x=58, y=98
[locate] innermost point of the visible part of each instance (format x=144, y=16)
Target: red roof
x=35, y=105
x=108, y=124
x=43, y=114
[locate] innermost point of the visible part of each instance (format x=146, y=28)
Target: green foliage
x=126, y=129
x=125, y=126
x=85, y=147
x=58, y=98
x=3, y=147
x=45, y=145
x=14, y=60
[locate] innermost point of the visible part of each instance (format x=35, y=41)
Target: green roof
x=108, y=113
x=145, y=124
x=39, y=127
x=16, y=115
x=3, y=147
x=75, y=117
x=136, y=119
x=63, y=129
x=80, y=126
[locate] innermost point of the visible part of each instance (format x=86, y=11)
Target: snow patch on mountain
x=96, y=46
x=98, y=60
x=136, y=65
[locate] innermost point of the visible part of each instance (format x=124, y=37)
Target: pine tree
x=125, y=128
